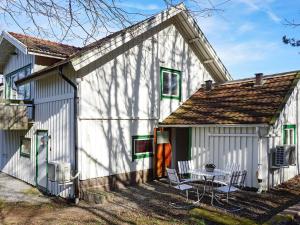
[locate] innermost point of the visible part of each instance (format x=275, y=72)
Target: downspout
x=75, y=114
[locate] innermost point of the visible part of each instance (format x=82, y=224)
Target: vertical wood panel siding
x=18, y=61
x=207, y=148
x=120, y=97
x=289, y=115
x=53, y=112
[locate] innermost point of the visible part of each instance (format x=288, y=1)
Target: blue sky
x=246, y=34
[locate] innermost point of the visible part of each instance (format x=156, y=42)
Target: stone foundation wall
x=118, y=181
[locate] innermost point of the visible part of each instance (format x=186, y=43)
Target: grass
x=200, y=214
x=280, y=219
x=32, y=191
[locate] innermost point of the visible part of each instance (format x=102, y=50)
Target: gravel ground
x=145, y=204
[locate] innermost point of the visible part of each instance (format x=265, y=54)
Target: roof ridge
x=268, y=76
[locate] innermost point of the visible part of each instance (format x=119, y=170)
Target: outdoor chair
x=179, y=185
x=231, y=187
x=230, y=168
x=183, y=170
x=242, y=180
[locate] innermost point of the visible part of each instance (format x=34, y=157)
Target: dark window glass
x=25, y=146
x=142, y=146
x=174, y=84
x=166, y=83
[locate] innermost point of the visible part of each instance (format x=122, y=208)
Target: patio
x=153, y=199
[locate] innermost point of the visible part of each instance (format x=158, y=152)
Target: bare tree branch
x=85, y=20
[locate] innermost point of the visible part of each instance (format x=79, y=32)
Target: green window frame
x=22, y=92
x=25, y=147
x=289, y=134
x=170, y=83
x=146, y=146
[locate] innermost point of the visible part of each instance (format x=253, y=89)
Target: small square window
x=25, y=148
x=289, y=134
x=170, y=83
x=142, y=146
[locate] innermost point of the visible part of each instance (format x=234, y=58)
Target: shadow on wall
x=125, y=85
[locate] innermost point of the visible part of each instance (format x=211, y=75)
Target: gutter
x=75, y=88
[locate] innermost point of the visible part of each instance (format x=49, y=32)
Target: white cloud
x=245, y=52
x=264, y=6
x=273, y=16
x=139, y=6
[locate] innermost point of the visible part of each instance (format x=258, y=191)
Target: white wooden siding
x=126, y=83
x=289, y=115
x=53, y=112
x=120, y=97
x=18, y=61
x=11, y=161
x=220, y=145
x=106, y=147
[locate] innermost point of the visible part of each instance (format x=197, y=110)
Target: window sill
x=143, y=155
x=25, y=155
x=170, y=97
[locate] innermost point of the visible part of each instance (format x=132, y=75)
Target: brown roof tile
x=46, y=47
x=238, y=102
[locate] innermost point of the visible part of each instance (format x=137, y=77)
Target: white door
x=41, y=158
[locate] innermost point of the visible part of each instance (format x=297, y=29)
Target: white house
x=98, y=108
x=251, y=122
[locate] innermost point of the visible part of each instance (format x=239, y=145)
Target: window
x=170, y=83
x=14, y=92
x=142, y=146
x=25, y=148
x=289, y=134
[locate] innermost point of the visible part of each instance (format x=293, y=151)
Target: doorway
x=42, y=159
x=182, y=150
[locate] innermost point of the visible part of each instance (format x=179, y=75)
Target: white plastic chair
x=177, y=184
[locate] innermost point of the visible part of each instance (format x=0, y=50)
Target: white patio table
x=209, y=176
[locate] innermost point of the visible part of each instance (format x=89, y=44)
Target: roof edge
x=14, y=41
x=286, y=98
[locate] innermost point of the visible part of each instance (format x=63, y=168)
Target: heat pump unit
x=282, y=156
x=59, y=171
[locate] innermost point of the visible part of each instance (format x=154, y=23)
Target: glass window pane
x=25, y=146
x=174, y=84
x=13, y=87
x=27, y=71
x=21, y=74
x=291, y=133
x=21, y=92
x=166, y=83
x=143, y=146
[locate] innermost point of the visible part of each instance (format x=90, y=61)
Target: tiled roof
x=238, y=102
x=46, y=47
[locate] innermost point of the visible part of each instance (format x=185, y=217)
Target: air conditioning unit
x=282, y=156
x=59, y=171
